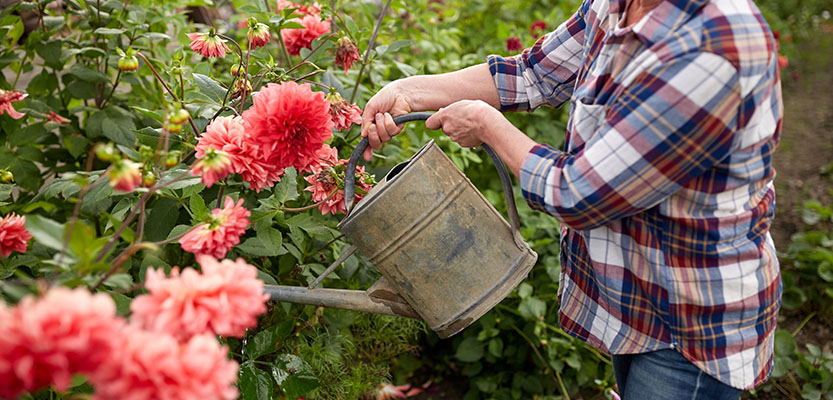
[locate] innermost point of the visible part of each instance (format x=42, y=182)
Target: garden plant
x=162, y=160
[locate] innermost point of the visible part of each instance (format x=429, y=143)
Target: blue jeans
x=666, y=374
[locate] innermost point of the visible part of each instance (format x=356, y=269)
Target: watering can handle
x=503, y=172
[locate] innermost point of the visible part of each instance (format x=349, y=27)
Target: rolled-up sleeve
x=545, y=72
x=670, y=125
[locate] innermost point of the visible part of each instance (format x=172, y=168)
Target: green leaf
x=26, y=135
x=532, y=308
x=285, y=190
x=84, y=244
x=45, y=231
x=27, y=175
x=266, y=341
x=254, y=383
x=810, y=392
x=88, y=74
x=524, y=290
x=210, y=88
x=469, y=350
x=122, y=303
x=108, y=31
x=496, y=347
x=784, y=343
x=163, y=216
x=197, y=205
x=113, y=123
x=825, y=271
x=255, y=247
x=294, y=376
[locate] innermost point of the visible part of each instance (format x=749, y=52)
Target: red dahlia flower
x=221, y=233
x=346, y=53
x=344, y=113
x=513, y=44
x=537, y=28
x=7, y=97
x=208, y=44
x=325, y=187
x=288, y=123
x=297, y=39
x=13, y=235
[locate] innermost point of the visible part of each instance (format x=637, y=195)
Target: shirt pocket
x=585, y=121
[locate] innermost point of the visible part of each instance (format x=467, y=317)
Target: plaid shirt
x=664, y=189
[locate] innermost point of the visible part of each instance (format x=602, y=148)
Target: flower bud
x=125, y=175
x=146, y=152
x=6, y=176
x=106, y=152
x=235, y=69
x=258, y=34
x=172, y=159
x=237, y=90
x=128, y=63
x=180, y=116
x=148, y=179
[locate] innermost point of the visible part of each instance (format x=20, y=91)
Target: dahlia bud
x=258, y=33
x=6, y=176
x=106, y=152
x=235, y=69
x=174, y=128
x=146, y=152
x=128, y=63
x=346, y=53
x=148, y=179
x=213, y=166
x=239, y=84
x=342, y=112
x=180, y=116
x=208, y=44
x=172, y=159
x=125, y=175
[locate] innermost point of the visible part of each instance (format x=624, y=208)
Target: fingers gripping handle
x=350, y=174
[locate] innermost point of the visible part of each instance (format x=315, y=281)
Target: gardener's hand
x=377, y=118
x=466, y=122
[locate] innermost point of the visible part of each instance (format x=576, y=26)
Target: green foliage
x=808, y=262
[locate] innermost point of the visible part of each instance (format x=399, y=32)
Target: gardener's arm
x=670, y=125
x=544, y=73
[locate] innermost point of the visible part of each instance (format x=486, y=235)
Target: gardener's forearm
x=432, y=92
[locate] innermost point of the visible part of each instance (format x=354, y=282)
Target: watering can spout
x=378, y=299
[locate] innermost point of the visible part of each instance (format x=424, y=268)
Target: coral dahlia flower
x=7, y=97
x=313, y=9
x=154, y=365
x=297, y=39
x=224, y=299
x=258, y=34
x=213, y=166
x=125, y=175
x=13, y=235
x=228, y=134
x=346, y=53
x=289, y=123
x=343, y=113
x=208, y=44
x=324, y=185
x=47, y=340
x=221, y=233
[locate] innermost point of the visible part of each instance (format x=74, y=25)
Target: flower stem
x=283, y=48
x=167, y=89
x=370, y=45
x=113, y=90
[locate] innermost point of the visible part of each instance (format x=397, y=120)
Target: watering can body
x=445, y=253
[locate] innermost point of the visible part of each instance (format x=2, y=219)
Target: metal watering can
x=445, y=254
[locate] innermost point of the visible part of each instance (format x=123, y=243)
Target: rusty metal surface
x=438, y=242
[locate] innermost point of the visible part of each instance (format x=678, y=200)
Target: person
x=664, y=187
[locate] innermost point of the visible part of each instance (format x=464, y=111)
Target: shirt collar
x=662, y=20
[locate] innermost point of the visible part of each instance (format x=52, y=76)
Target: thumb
x=435, y=121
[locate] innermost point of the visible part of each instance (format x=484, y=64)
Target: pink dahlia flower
x=325, y=188
x=46, y=340
x=343, y=113
x=258, y=34
x=513, y=44
x=346, y=53
x=125, y=175
x=219, y=235
x=313, y=9
x=225, y=299
x=7, y=97
x=324, y=158
x=208, y=44
x=288, y=123
x=297, y=39
x=213, y=166
x=154, y=365
x=13, y=235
